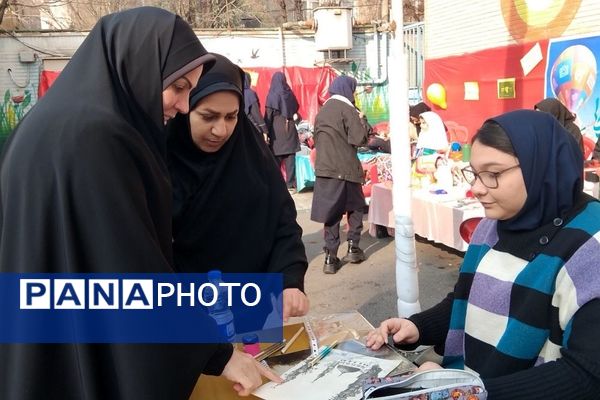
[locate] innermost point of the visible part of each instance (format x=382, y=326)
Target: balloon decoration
x=574, y=76
x=436, y=93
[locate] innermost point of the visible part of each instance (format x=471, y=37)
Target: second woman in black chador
x=281, y=109
x=231, y=209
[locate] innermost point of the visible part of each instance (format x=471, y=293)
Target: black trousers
x=331, y=230
x=290, y=169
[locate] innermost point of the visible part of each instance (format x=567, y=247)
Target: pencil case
x=437, y=384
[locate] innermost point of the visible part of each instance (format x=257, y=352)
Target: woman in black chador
x=281, y=110
x=84, y=188
x=252, y=108
x=231, y=210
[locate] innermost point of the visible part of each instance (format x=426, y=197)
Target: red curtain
x=47, y=78
x=308, y=84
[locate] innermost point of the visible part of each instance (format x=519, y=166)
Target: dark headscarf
x=281, y=97
x=563, y=115
x=250, y=97
x=231, y=210
x=343, y=86
x=418, y=109
x=551, y=163
x=98, y=200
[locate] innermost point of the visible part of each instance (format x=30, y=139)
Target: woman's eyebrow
x=491, y=164
x=210, y=110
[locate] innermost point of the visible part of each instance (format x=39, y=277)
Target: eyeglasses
x=489, y=179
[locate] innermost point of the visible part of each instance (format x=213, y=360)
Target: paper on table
x=337, y=376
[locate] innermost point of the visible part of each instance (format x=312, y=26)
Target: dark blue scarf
x=250, y=96
x=343, y=86
x=281, y=97
x=551, y=163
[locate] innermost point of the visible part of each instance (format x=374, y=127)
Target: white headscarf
x=433, y=134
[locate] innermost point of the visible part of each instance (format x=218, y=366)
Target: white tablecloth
x=436, y=217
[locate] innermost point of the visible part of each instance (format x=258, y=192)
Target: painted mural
x=372, y=100
x=533, y=20
x=12, y=109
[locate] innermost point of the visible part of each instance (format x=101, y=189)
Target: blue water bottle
x=220, y=311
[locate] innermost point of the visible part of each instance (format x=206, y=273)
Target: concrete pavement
x=370, y=287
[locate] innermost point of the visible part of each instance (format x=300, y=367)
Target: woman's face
x=176, y=96
x=213, y=120
x=509, y=197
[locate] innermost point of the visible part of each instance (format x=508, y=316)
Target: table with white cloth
x=436, y=217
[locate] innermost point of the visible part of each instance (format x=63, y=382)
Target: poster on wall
x=506, y=88
x=471, y=90
x=571, y=70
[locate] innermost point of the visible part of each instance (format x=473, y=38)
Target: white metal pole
x=407, y=282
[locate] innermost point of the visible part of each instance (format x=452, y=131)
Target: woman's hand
x=295, y=303
x=428, y=365
x=247, y=373
x=403, y=331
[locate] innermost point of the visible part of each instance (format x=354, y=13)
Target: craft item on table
x=293, y=339
x=323, y=330
x=251, y=345
x=269, y=351
x=350, y=329
x=337, y=376
x=386, y=352
x=282, y=363
x=426, y=164
x=384, y=167
x=443, y=174
x=438, y=191
x=322, y=354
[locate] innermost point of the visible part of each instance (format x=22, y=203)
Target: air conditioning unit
x=333, y=28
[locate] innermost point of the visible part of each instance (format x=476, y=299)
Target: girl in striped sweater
x=525, y=312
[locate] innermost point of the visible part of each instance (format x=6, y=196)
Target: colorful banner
x=571, y=76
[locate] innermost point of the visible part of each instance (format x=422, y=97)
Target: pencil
x=293, y=339
x=269, y=351
x=322, y=354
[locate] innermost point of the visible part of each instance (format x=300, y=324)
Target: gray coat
x=339, y=130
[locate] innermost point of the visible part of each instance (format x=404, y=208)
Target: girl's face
x=213, y=120
x=176, y=96
x=506, y=200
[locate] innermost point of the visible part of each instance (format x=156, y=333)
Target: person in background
x=252, y=108
x=414, y=112
x=339, y=131
x=433, y=135
x=91, y=155
x=380, y=141
x=525, y=312
x=281, y=110
x=227, y=187
x=563, y=115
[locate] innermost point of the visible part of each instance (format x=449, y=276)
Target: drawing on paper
x=338, y=376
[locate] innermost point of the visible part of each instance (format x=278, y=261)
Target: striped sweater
x=525, y=300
